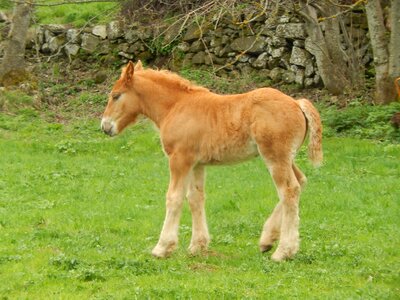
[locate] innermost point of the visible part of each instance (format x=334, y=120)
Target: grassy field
x=80, y=213
x=76, y=14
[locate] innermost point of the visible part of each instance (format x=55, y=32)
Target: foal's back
x=227, y=128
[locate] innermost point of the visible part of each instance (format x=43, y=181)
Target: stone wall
x=276, y=50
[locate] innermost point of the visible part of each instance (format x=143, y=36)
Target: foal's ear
x=139, y=66
x=127, y=72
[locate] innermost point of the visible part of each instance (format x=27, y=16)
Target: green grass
x=75, y=14
x=80, y=213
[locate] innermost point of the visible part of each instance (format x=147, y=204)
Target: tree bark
x=14, y=54
x=384, y=88
x=394, y=45
x=316, y=44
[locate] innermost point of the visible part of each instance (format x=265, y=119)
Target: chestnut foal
x=199, y=128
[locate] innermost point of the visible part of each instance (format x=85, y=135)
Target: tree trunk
x=14, y=60
x=384, y=85
x=316, y=44
x=394, y=45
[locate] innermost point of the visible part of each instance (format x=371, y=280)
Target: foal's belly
x=230, y=153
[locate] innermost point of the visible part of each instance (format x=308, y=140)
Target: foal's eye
x=115, y=96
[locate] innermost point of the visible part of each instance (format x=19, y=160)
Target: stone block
x=291, y=31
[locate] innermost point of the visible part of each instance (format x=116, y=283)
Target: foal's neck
x=156, y=99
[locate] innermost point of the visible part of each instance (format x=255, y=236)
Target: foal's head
x=123, y=103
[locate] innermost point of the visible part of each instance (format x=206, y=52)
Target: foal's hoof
x=265, y=248
x=197, y=249
x=280, y=255
x=162, y=252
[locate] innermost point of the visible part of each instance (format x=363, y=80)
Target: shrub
x=362, y=121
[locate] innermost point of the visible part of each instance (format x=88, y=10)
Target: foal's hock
x=199, y=128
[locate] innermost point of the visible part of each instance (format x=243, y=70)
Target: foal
x=199, y=128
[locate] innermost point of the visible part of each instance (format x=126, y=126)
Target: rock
x=55, y=43
x=132, y=36
x=71, y=49
x=48, y=35
x=277, y=41
x=299, y=77
x=114, y=30
x=172, y=33
x=215, y=42
x=73, y=36
x=136, y=48
x=278, y=52
x=250, y=44
x=273, y=62
x=309, y=71
x=317, y=79
x=187, y=60
x=268, y=32
x=224, y=51
x=225, y=39
x=284, y=61
x=284, y=19
x=123, y=47
x=89, y=42
x=197, y=46
x=194, y=32
x=104, y=47
x=126, y=55
x=276, y=74
x=212, y=59
x=100, y=31
x=300, y=57
x=245, y=69
x=183, y=46
x=291, y=31
x=31, y=37
x=308, y=82
x=288, y=76
x=45, y=48
x=243, y=58
x=299, y=43
x=261, y=61
x=199, y=58
x=55, y=28
x=311, y=47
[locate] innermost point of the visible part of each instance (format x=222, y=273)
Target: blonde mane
x=173, y=80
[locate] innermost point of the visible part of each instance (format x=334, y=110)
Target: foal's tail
x=315, y=131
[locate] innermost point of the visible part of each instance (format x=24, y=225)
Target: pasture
x=80, y=213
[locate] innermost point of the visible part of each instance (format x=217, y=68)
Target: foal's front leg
x=200, y=236
x=179, y=171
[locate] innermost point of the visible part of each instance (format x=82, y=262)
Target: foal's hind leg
x=179, y=168
x=301, y=178
x=272, y=227
x=288, y=189
x=200, y=236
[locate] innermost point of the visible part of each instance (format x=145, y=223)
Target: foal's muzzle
x=108, y=126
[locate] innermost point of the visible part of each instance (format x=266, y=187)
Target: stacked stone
x=276, y=50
